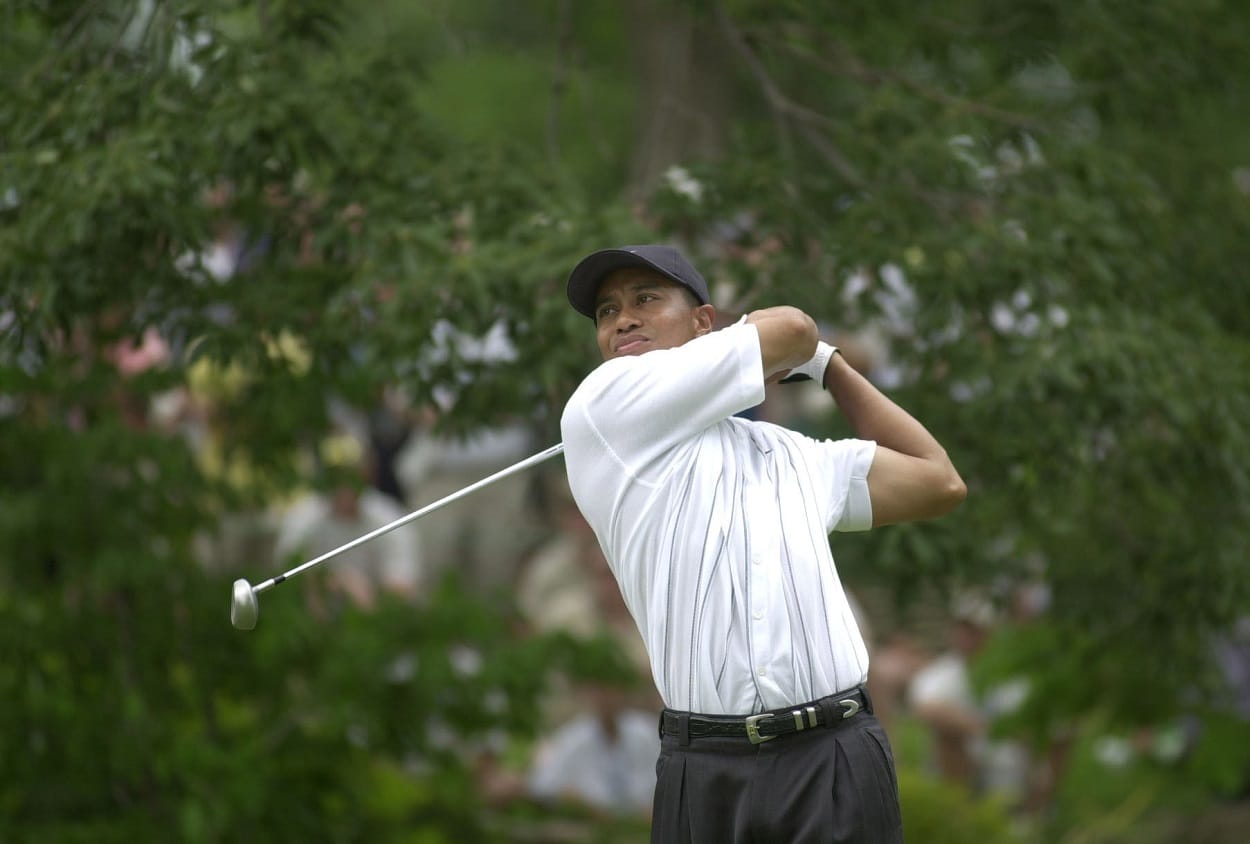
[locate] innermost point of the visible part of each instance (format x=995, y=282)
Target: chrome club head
x=243, y=605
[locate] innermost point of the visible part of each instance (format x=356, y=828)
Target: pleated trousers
x=832, y=785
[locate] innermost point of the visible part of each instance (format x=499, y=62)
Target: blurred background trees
x=1029, y=220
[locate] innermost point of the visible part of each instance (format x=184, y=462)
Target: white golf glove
x=814, y=369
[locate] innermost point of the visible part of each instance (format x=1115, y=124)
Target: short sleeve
x=637, y=408
x=842, y=475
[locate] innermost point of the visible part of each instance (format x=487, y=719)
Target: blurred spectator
x=389, y=426
x=942, y=696
x=130, y=355
x=602, y=752
x=484, y=537
x=604, y=758
x=346, y=510
x=961, y=718
x=1232, y=655
x=133, y=358
x=232, y=249
x=892, y=666
x=556, y=587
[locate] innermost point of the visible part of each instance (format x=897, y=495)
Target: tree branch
x=784, y=107
x=852, y=65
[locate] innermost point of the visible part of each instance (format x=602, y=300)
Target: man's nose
x=626, y=320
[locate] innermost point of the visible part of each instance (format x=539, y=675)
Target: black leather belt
x=826, y=712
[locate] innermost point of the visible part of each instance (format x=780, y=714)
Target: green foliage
x=940, y=813
x=160, y=718
x=1220, y=757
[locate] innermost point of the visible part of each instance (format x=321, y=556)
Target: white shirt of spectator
x=717, y=527
x=1003, y=765
x=393, y=561
x=616, y=775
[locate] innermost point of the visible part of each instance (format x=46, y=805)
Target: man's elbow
x=913, y=489
x=953, y=491
x=788, y=337
x=801, y=334
x=946, y=489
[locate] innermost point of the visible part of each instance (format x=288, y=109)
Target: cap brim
x=589, y=273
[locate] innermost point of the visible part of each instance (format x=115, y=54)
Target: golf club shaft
x=532, y=460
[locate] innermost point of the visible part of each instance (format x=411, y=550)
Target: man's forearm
x=911, y=476
x=874, y=416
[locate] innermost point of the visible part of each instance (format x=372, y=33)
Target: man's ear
x=704, y=319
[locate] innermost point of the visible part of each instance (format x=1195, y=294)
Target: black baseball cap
x=668, y=261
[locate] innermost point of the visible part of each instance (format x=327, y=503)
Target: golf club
x=244, y=605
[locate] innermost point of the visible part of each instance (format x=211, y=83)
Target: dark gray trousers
x=834, y=784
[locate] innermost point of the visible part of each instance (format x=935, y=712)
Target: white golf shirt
x=717, y=527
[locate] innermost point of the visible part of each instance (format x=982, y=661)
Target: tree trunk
x=683, y=102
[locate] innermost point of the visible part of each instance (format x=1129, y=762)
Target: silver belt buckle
x=753, y=731
x=850, y=707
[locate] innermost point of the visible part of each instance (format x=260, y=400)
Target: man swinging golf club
x=716, y=529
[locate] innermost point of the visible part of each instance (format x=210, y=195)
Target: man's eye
x=643, y=298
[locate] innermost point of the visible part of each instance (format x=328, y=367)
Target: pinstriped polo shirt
x=717, y=527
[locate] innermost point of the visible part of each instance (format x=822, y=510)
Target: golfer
x=716, y=529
